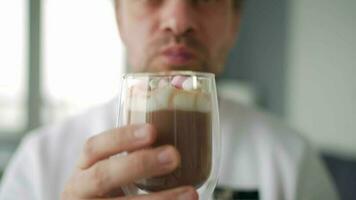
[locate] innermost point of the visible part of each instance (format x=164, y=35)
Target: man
x=259, y=153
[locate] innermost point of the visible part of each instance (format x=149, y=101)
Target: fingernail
x=141, y=133
x=185, y=196
x=165, y=156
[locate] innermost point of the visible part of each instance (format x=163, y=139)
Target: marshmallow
x=139, y=89
x=191, y=83
x=182, y=93
x=163, y=83
x=188, y=84
x=162, y=96
x=137, y=103
x=177, y=81
x=184, y=101
x=154, y=83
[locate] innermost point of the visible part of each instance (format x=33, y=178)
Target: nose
x=177, y=17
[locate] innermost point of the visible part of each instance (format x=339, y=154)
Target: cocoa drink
x=179, y=109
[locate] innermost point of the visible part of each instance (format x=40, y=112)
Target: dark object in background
x=222, y=193
x=343, y=171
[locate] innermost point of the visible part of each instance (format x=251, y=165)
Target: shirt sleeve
x=21, y=178
x=314, y=180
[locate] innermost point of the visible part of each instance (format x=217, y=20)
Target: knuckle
x=98, y=178
x=67, y=192
x=89, y=147
x=65, y=195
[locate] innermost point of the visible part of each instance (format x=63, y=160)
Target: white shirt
x=258, y=153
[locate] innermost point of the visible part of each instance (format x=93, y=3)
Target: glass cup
x=183, y=107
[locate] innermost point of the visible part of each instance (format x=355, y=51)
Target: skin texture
x=206, y=28
x=159, y=35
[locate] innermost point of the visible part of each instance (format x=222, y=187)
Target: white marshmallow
x=163, y=96
x=203, y=103
x=169, y=97
x=178, y=81
x=188, y=84
x=184, y=101
x=163, y=83
x=138, y=104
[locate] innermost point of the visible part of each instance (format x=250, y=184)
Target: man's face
x=163, y=35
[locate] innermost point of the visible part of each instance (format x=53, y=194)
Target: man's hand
x=100, y=174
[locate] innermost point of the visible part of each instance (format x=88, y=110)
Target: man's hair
x=237, y=4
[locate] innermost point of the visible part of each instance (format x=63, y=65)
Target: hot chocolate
x=182, y=118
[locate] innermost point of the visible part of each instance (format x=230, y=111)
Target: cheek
x=218, y=35
x=217, y=25
x=219, y=39
x=136, y=38
x=138, y=25
x=133, y=50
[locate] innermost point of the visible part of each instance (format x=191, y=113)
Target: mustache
x=187, y=40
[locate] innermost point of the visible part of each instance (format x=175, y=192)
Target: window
x=82, y=60
x=12, y=66
x=12, y=75
x=83, y=56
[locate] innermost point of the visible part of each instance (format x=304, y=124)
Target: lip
x=178, y=55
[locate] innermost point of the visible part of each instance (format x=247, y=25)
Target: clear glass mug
x=183, y=107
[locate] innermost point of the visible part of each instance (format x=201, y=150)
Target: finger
x=182, y=193
x=116, y=141
x=109, y=174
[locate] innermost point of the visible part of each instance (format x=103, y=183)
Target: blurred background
x=295, y=59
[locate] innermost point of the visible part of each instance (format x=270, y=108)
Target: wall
x=301, y=57
x=321, y=83
x=260, y=53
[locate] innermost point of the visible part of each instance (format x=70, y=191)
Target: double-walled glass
x=183, y=107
